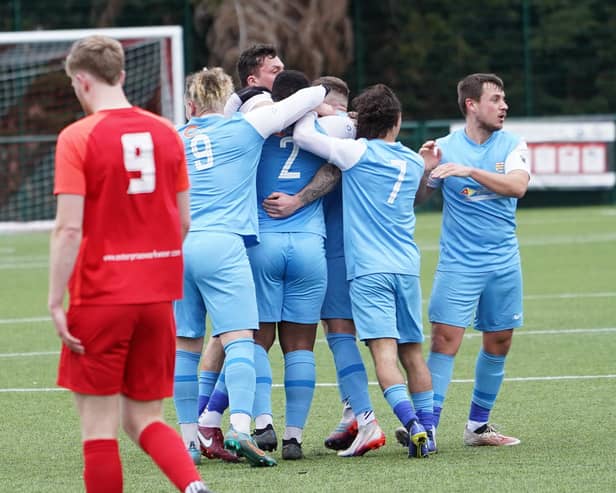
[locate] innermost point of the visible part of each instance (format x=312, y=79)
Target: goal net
x=37, y=101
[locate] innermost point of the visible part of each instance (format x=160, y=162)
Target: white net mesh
x=37, y=101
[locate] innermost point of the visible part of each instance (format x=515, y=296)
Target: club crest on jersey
x=500, y=167
x=468, y=192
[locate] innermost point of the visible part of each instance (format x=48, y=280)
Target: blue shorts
x=217, y=281
x=290, y=276
x=337, y=302
x=387, y=306
x=495, y=298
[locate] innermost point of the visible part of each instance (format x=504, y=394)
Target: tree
x=314, y=36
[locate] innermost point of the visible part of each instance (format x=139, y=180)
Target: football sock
x=219, y=401
x=207, y=381
x=165, y=447
x=299, y=383
x=441, y=369
x=351, y=372
x=240, y=381
x=291, y=432
x=102, y=472
x=422, y=402
x=489, y=374
x=365, y=418
x=347, y=412
x=262, y=408
x=398, y=399
x=186, y=392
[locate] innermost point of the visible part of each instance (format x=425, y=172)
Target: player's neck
x=477, y=133
x=109, y=98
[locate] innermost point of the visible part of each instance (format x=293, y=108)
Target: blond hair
x=101, y=56
x=209, y=89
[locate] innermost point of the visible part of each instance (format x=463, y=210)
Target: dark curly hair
x=378, y=110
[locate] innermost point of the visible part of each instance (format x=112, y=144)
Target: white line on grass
x=531, y=297
x=333, y=384
x=37, y=262
x=470, y=335
x=26, y=320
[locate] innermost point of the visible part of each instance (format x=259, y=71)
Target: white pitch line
x=333, y=384
x=470, y=335
x=531, y=297
x=23, y=355
x=26, y=320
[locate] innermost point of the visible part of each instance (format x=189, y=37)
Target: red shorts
x=129, y=349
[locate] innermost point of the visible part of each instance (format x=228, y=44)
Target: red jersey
x=129, y=165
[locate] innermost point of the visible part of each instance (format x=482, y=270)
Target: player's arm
x=431, y=155
x=513, y=183
x=279, y=204
x=183, y=201
x=344, y=153
x=270, y=119
x=64, y=248
x=258, y=96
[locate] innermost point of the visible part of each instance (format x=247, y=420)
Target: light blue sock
x=299, y=383
x=441, y=369
x=423, y=404
x=207, y=381
x=263, y=394
x=398, y=399
x=186, y=386
x=240, y=375
x=351, y=372
x=489, y=374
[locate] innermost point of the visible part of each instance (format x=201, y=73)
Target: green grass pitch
x=559, y=396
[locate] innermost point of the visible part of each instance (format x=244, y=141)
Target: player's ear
x=122, y=77
x=251, y=80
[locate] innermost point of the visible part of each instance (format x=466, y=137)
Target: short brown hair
x=472, y=87
x=209, y=89
x=334, y=83
x=101, y=56
x=251, y=60
x=378, y=110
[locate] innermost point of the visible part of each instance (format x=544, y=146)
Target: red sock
x=102, y=471
x=167, y=449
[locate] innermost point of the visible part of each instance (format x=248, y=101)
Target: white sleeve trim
x=268, y=120
x=338, y=126
x=344, y=153
x=518, y=158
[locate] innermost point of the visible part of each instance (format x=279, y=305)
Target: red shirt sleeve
x=70, y=157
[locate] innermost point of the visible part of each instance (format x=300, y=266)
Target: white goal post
x=36, y=102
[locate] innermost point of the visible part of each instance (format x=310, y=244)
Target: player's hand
x=451, y=169
x=431, y=155
x=280, y=205
x=58, y=316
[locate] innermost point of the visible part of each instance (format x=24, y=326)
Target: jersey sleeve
x=270, y=119
x=518, y=158
x=344, y=153
x=339, y=126
x=69, y=161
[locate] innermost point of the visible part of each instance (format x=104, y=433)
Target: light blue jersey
x=389, y=217
x=379, y=183
x=222, y=174
x=478, y=230
x=286, y=168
